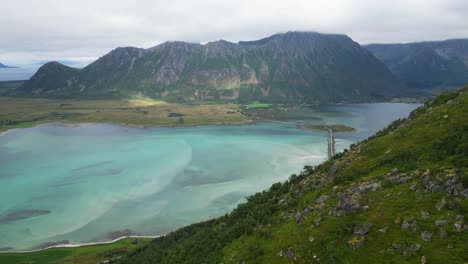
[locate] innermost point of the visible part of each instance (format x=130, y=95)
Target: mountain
x=294, y=66
x=2, y=66
x=426, y=64
x=398, y=197
x=52, y=74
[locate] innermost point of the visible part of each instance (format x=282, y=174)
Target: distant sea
x=15, y=74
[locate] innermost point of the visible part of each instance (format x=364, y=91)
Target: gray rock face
x=362, y=229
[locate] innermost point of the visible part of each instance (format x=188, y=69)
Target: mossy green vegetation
x=334, y=128
x=80, y=255
x=397, y=197
x=27, y=112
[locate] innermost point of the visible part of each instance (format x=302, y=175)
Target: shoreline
x=249, y=122
x=77, y=245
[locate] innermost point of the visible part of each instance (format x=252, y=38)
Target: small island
x=334, y=128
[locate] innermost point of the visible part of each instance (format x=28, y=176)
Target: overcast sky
x=33, y=31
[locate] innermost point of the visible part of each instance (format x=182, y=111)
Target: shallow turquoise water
x=87, y=182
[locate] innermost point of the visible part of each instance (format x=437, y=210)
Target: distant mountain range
x=426, y=64
x=2, y=66
x=294, y=66
x=288, y=67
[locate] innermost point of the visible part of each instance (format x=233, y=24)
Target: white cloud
x=34, y=30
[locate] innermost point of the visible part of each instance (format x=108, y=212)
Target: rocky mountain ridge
x=294, y=66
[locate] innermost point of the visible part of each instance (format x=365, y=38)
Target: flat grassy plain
x=76, y=255
x=27, y=112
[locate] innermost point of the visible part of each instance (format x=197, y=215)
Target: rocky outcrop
x=395, y=177
x=349, y=199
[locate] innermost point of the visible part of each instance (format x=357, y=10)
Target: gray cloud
x=82, y=30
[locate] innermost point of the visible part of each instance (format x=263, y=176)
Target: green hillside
x=398, y=197
x=290, y=67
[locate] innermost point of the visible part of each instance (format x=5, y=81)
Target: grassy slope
x=23, y=112
x=266, y=230
x=79, y=255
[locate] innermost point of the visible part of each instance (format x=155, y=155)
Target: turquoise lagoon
x=95, y=182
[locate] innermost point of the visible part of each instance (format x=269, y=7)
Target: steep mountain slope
x=295, y=66
x=426, y=64
x=398, y=197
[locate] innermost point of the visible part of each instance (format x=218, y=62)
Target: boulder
x=443, y=233
x=290, y=253
x=362, y=229
x=346, y=204
x=415, y=247
x=433, y=187
x=405, y=225
x=464, y=193
x=356, y=242
x=426, y=236
x=458, y=227
x=383, y=229
x=298, y=218
x=424, y=214
x=440, y=204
